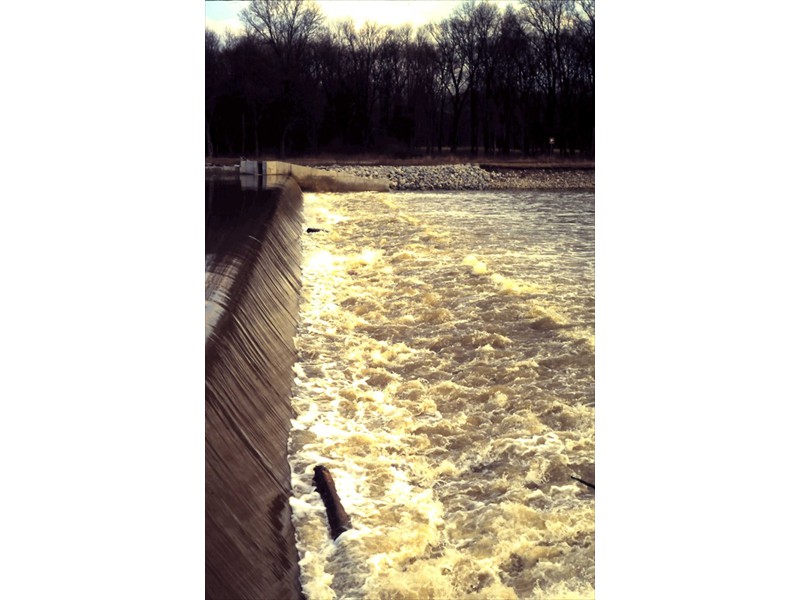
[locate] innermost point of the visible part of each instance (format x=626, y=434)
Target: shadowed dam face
x=252, y=282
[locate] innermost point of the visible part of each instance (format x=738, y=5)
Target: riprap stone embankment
x=470, y=177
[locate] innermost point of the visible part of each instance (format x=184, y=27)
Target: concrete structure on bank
x=313, y=180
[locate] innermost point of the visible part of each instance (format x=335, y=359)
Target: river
x=445, y=376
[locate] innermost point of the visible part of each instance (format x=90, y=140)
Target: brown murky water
x=446, y=378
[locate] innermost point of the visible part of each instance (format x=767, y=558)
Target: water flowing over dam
x=252, y=282
x=435, y=353
x=254, y=223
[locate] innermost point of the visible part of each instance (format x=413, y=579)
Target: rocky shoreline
x=471, y=177
x=458, y=176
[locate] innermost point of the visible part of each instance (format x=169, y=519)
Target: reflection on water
x=234, y=206
x=236, y=211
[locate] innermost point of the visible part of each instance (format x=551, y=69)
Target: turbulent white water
x=446, y=379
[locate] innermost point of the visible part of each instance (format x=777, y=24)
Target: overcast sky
x=222, y=15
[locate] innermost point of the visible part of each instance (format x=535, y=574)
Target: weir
x=253, y=259
x=313, y=180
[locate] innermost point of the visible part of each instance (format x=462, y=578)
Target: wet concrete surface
x=252, y=281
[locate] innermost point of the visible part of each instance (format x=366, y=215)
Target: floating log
x=586, y=483
x=337, y=517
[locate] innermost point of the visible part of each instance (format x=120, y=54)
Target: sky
x=222, y=15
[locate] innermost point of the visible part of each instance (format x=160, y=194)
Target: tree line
x=517, y=81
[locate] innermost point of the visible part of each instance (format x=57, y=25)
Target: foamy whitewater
x=446, y=378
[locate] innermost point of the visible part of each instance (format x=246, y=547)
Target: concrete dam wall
x=314, y=180
x=252, y=285
x=254, y=227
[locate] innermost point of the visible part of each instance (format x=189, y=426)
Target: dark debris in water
x=586, y=483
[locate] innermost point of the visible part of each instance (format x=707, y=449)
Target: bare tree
x=509, y=48
x=392, y=86
x=550, y=21
x=359, y=57
x=584, y=22
x=426, y=94
x=485, y=21
x=213, y=83
x=290, y=83
x=286, y=25
x=550, y=18
x=452, y=43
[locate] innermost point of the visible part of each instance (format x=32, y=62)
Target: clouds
x=386, y=12
x=222, y=16
x=219, y=26
x=225, y=15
